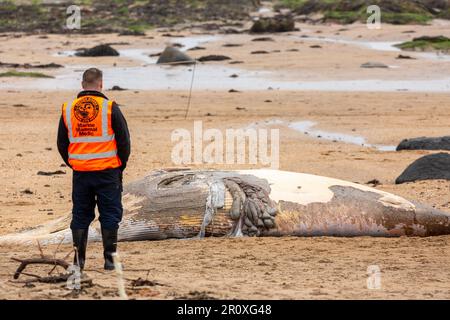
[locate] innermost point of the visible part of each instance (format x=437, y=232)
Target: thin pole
x=190, y=90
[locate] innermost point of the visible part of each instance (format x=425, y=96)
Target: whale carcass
x=187, y=203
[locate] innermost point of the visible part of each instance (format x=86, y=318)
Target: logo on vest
x=86, y=110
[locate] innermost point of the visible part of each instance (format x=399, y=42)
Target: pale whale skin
x=174, y=204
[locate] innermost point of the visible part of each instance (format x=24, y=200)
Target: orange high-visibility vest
x=93, y=145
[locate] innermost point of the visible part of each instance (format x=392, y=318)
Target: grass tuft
x=24, y=74
x=440, y=44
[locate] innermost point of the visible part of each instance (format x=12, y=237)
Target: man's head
x=93, y=79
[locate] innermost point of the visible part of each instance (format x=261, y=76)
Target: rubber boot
x=109, y=247
x=80, y=239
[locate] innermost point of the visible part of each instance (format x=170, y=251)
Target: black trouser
x=101, y=188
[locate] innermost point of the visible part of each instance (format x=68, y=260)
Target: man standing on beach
x=93, y=139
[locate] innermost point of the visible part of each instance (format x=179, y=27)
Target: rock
x=213, y=57
x=315, y=46
x=424, y=143
x=132, y=33
x=102, y=50
x=196, y=48
x=374, y=182
x=263, y=39
x=169, y=35
x=232, y=45
x=175, y=56
x=260, y=52
x=117, y=88
x=431, y=167
x=234, y=76
x=372, y=65
x=209, y=26
x=44, y=173
x=233, y=91
x=27, y=191
x=401, y=56
x=177, y=45
x=231, y=31
x=292, y=50
x=236, y=62
x=118, y=43
x=280, y=23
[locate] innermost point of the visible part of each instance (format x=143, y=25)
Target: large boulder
x=431, y=167
x=102, y=50
x=425, y=143
x=280, y=23
x=172, y=55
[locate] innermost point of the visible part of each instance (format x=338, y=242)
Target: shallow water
x=216, y=76
x=389, y=46
x=307, y=127
x=374, y=45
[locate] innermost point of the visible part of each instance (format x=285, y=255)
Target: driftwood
x=63, y=277
x=42, y=260
x=51, y=261
x=45, y=260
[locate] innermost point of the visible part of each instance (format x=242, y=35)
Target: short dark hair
x=91, y=76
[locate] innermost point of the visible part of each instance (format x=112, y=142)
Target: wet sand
x=287, y=268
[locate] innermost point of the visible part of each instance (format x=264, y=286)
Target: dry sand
x=286, y=268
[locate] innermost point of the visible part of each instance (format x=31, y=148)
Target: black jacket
x=118, y=123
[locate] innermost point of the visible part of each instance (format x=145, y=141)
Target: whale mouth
x=176, y=181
